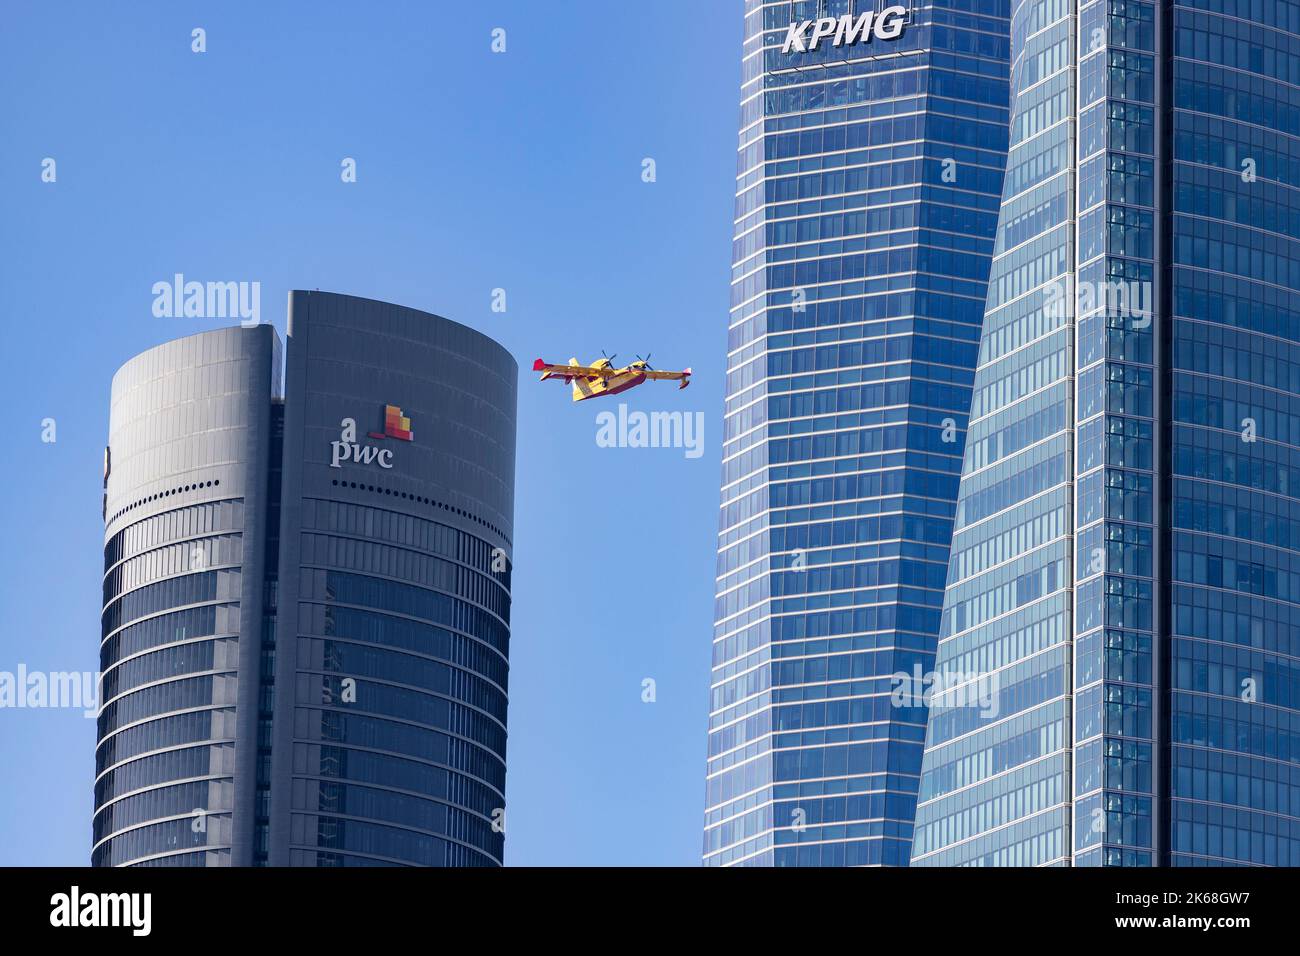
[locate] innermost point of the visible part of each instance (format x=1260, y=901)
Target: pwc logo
x=396, y=425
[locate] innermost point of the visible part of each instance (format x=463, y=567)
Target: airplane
x=602, y=377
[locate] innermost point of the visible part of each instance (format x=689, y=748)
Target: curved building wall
x=184, y=509
x=995, y=780
x=392, y=637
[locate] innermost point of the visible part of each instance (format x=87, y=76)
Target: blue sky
x=475, y=171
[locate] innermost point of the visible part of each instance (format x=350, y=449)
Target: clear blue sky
x=475, y=171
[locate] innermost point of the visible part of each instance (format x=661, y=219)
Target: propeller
x=609, y=357
x=647, y=361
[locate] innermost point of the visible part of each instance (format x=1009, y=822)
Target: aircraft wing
x=571, y=371
x=684, y=375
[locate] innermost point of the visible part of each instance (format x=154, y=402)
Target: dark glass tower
x=306, y=624
x=185, y=511
x=872, y=145
x=1123, y=570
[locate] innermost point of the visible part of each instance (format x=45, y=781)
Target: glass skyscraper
x=305, y=639
x=872, y=146
x=1124, y=580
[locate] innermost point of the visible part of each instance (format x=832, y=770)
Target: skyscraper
x=306, y=599
x=872, y=146
x=1123, y=576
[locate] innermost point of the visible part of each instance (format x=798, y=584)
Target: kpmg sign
x=846, y=30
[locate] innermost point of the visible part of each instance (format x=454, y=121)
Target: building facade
x=306, y=602
x=1122, y=585
x=871, y=155
x=185, y=507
